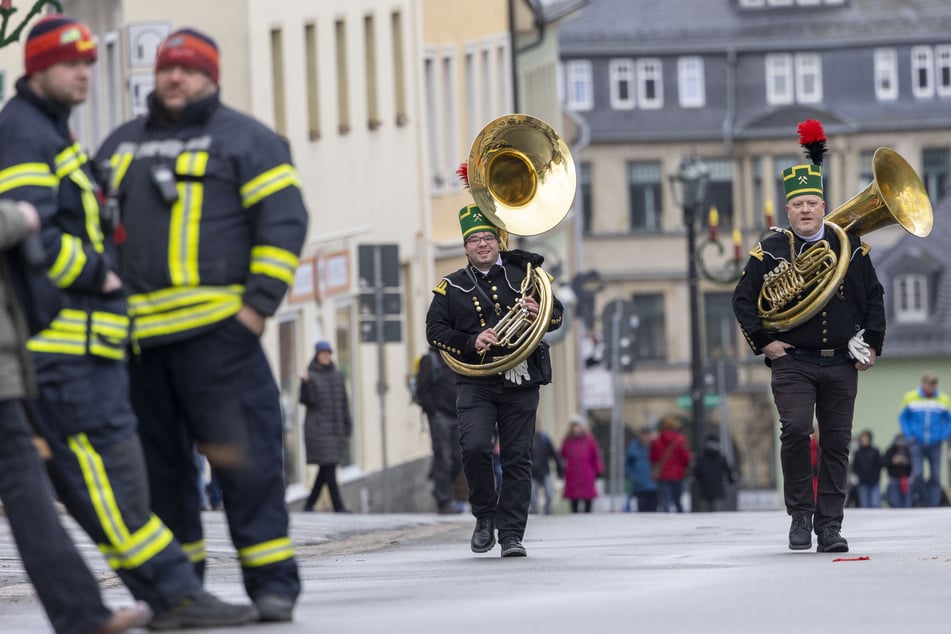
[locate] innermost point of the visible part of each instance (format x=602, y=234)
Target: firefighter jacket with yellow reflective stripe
x=41, y=163
x=213, y=216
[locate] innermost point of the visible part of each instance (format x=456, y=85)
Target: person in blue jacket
x=925, y=419
x=637, y=469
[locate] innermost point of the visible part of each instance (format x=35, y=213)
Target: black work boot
x=203, y=609
x=800, y=532
x=830, y=541
x=483, y=537
x=512, y=547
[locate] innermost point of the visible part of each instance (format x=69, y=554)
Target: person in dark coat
x=897, y=463
x=327, y=423
x=712, y=470
x=543, y=453
x=436, y=394
x=867, y=466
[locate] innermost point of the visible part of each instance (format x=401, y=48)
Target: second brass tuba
x=895, y=196
x=522, y=177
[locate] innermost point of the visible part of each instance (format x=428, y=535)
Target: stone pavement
x=603, y=572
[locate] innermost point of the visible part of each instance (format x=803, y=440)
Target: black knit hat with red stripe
x=191, y=49
x=57, y=38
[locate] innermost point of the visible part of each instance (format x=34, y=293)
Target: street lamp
x=689, y=185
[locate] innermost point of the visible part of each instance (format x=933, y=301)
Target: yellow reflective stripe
x=90, y=208
x=109, y=334
x=183, y=235
x=274, y=262
x=70, y=159
x=195, y=551
x=273, y=180
x=99, y=489
x=69, y=262
x=266, y=553
x=57, y=343
x=192, y=163
x=183, y=319
x=27, y=174
x=141, y=546
x=171, y=298
x=120, y=165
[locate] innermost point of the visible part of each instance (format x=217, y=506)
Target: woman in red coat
x=670, y=457
x=582, y=462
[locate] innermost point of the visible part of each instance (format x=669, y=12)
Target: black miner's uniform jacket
x=459, y=312
x=857, y=303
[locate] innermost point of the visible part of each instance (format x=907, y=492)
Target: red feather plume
x=810, y=131
x=813, y=140
x=463, y=174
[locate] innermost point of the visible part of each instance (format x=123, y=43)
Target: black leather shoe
x=203, y=610
x=483, y=537
x=512, y=547
x=800, y=532
x=830, y=541
x=274, y=608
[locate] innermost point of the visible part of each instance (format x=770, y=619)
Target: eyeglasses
x=488, y=239
x=799, y=205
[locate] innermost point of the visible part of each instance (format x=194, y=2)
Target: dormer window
x=911, y=298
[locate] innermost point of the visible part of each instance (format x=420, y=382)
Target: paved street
x=604, y=572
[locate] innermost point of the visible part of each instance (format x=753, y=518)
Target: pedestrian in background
x=581, y=457
x=670, y=458
x=897, y=463
x=712, y=472
x=925, y=419
x=637, y=470
x=76, y=307
x=543, y=454
x=436, y=394
x=66, y=588
x=867, y=465
x=327, y=423
x=214, y=221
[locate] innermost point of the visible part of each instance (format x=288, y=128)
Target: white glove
x=517, y=374
x=858, y=349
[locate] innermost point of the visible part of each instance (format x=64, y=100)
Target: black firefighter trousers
x=216, y=390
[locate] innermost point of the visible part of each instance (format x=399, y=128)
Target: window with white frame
x=942, y=55
x=621, y=73
x=433, y=127
x=690, y=82
x=779, y=79
x=886, y=74
x=578, y=82
x=922, y=71
x=650, y=84
x=449, y=115
x=808, y=78
x=911, y=298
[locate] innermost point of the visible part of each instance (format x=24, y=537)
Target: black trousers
x=803, y=390
x=217, y=389
x=480, y=409
x=326, y=474
x=68, y=591
x=447, y=461
x=99, y=474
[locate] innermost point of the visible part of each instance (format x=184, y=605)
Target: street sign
x=709, y=400
x=381, y=298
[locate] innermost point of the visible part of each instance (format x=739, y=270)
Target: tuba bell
x=522, y=177
x=895, y=196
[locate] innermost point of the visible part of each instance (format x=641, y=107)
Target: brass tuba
x=895, y=196
x=522, y=177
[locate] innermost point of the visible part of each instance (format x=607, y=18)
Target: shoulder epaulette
x=865, y=249
x=440, y=287
x=757, y=252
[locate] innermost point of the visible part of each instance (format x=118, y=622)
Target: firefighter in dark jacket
x=815, y=362
x=214, y=220
x=465, y=306
x=77, y=314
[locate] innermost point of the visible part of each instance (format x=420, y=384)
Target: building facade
x=729, y=85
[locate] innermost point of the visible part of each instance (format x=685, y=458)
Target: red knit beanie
x=56, y=39
x=191, y=49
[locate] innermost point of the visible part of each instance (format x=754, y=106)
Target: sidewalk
x=602, y=572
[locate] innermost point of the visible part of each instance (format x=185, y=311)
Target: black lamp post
x=690, y=182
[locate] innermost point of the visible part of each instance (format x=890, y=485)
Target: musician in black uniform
x=814, y=364
x=465, y=307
